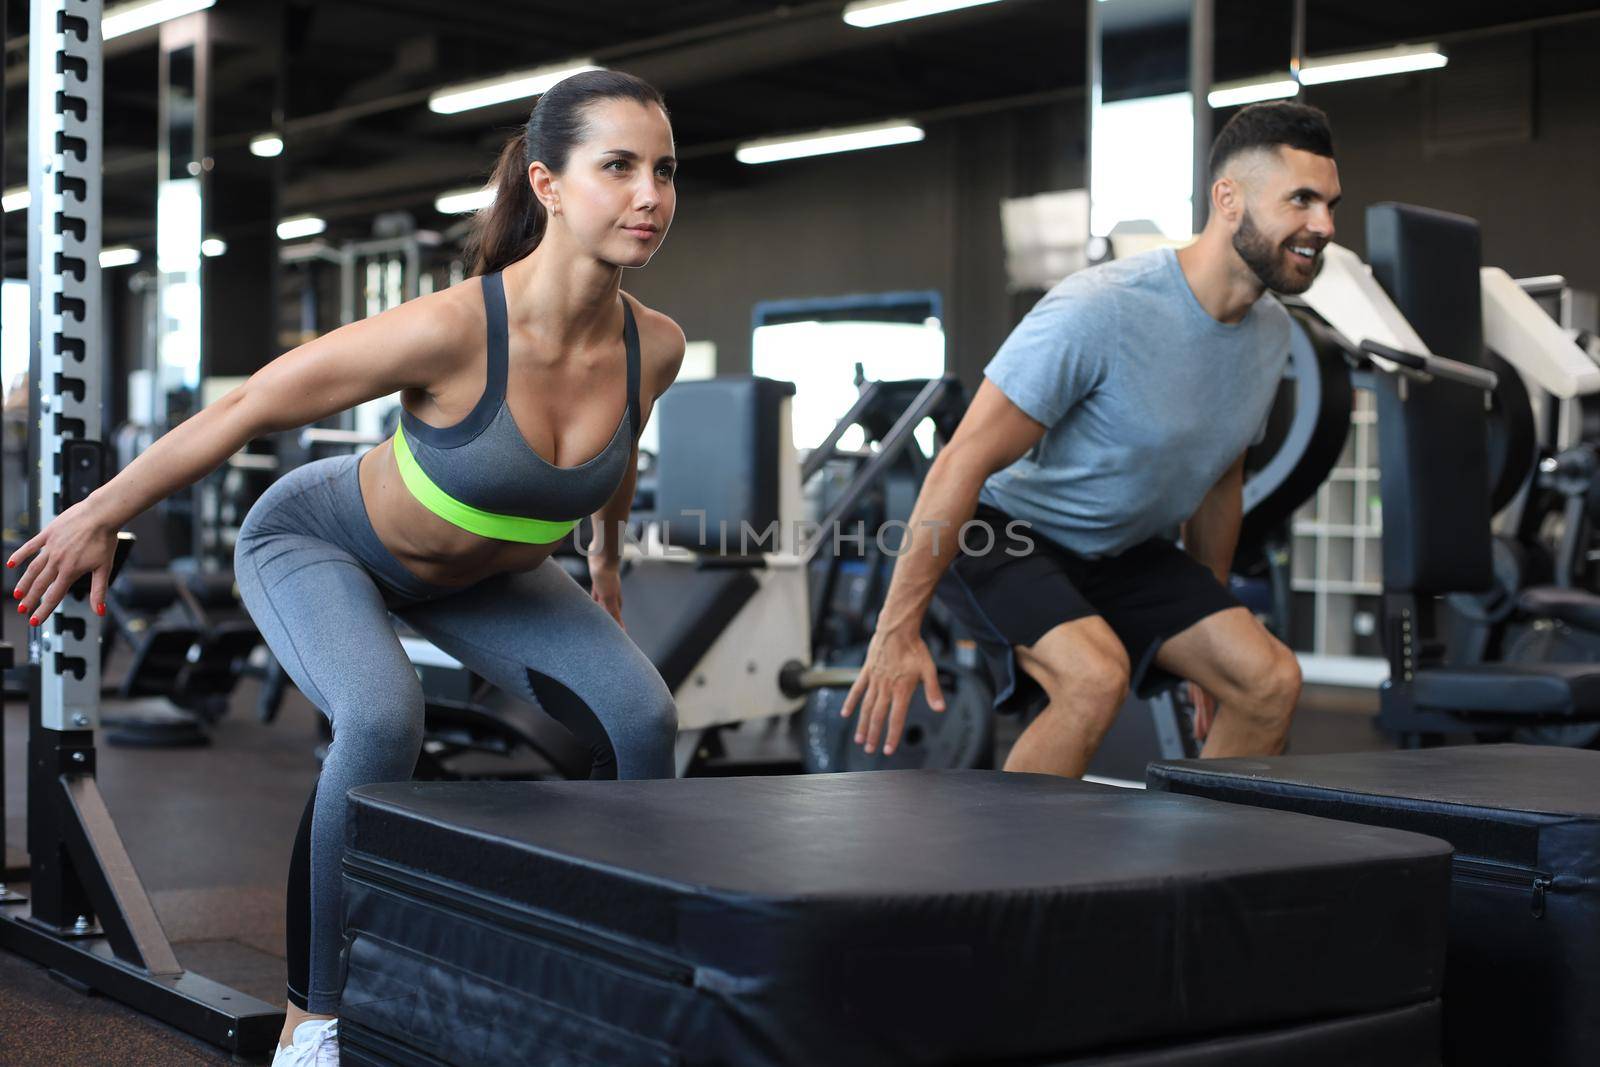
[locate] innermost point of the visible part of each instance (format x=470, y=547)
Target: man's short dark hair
x=1268, y=126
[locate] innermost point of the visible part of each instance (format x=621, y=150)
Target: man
x=1116, y=412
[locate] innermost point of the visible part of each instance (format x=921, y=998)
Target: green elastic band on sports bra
x=453, y=511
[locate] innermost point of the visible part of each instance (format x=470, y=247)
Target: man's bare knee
x=1269, y=693
x=1085, y=672
x=1276, y=684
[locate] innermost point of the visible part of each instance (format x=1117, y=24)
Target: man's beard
x=1270, y=262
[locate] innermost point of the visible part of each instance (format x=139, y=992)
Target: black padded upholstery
x=1545, y=689
x=675, y=611
x=1435, y=454
x=913, y=918
x=1428, y=262
x=1521, y=983
x=143, y=590
x=1513, y=435
x=1576, y=607
x=719, y=462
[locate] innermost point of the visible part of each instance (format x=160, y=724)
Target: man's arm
x=1212, y=533
x=992, y=435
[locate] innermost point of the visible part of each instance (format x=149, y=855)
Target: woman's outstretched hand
x=77, y=542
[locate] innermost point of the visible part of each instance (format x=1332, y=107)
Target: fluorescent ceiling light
x=213, y=246
x=119, y=256
x=462, y=201
x=300, y=226
x=868, y=13
x=1255, y=90
x=822, y=142
x=507, y=87
x=266, y=145
x=125, y=18
x=16, y=199
x=1398, y=60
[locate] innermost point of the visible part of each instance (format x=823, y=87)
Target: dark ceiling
x=347, y=81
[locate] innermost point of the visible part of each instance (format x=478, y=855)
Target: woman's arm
x=405, y=347
x=663, y=344
x=410, y=346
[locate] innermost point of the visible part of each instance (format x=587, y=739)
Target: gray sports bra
x=482, y=475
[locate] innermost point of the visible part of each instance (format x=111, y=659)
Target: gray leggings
x=321, y=587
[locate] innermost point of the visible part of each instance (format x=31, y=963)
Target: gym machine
x=1541, y=607
x=82, y=911
x=1435, y=480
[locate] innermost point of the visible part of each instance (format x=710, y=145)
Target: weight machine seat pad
x=675, y=611
x=906, y=917
x=1514, y=813
x=1570, y=690
x=144, y=591
x=1577, y=607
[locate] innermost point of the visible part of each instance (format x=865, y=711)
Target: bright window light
x=16, y=199
x=1233, y=94
x=125, y=18
x=1141, y=166
x=822, y=142
x=213, y=246
x=1401, y=59
x=820, y=358
x=178, y=230
x=459, y=98
x=297, y=226
x=14, y=334
x=462, y=201
x=868, y=13
x=180, y=340
x=266, y=145
x=118, y=256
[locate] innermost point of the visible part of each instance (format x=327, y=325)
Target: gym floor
x=210, y=832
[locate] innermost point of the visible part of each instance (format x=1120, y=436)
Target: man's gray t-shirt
x=1146, y=399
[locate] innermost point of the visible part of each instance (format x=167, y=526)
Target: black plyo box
x=1522, y=983
x=914, y=917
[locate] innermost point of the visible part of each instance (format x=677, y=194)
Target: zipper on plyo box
x=458, y=899
x=1487, y=872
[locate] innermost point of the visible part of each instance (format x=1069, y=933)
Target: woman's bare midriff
x=427, y=546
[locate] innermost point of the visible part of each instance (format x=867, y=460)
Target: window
x=817, y=345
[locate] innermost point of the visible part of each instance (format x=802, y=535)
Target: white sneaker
x=316, y=1044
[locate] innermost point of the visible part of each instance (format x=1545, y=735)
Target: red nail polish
x=21, y=608
x=33, y=622
x=100, y=609
x=16, y=594
x=10, y=563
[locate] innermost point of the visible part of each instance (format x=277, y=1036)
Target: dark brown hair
x=1268, y=126
x=512, y=226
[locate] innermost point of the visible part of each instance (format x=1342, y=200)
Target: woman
x=449, y=524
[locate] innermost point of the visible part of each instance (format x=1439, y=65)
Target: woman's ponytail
x=509, y=228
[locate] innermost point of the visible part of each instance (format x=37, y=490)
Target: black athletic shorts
x=1147, y=594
